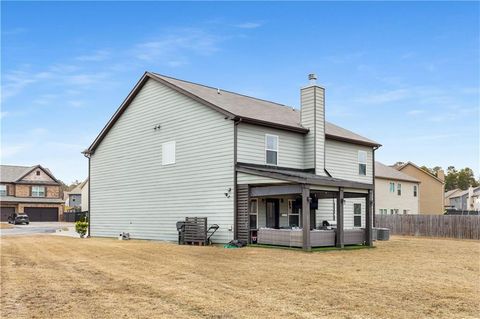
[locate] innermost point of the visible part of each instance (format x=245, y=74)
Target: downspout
x=373, y=176
x=235, y=224
x=88, y=154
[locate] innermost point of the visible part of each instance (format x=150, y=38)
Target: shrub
x=81, y=227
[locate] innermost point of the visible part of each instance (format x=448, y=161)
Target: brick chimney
x=441, y=175
x=312, y=99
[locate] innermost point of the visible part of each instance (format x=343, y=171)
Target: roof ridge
x=228, y=91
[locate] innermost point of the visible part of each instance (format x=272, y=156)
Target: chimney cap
x=312, y=76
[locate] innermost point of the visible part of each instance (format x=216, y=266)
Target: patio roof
x=298, y=176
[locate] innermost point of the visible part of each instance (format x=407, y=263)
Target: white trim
x=271, y=149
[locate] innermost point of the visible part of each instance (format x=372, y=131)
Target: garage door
x=41, y=214
x=5, y=212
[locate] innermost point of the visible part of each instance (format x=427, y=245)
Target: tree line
x=462, y=179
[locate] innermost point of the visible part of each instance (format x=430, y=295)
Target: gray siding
x=251, y=145
x=313, y=118
x=132, y=192
x=342, y=161
x=326, y=211
x=244, y=178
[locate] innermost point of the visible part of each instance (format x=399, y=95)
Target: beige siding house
x=177, y=149
x=431, y=201
x=395, y=192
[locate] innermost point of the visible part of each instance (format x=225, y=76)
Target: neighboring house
x=73, y=198
x=449, y=195
x=84, y=187
x=32, y=190
x=431, y=188
x=466, y=200
x=175, y=149
x=395, y=192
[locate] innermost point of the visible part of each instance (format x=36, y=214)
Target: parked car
x=18, y=218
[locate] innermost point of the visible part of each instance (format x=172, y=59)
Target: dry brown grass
x=58, y=277
x=5, y=226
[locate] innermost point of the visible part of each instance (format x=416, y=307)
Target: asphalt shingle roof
x=10, y=173
x=384, y=171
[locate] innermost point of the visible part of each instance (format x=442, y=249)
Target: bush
x=81, y=227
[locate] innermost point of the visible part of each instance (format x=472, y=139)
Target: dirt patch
x=5, y=226
x=58, y=277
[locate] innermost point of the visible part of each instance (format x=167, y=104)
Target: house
x=32, y=190
x=395, y=192
x=467, y=200
x=431, y=188
x=176, y=148
x=448, y=195
x=84, y=187
x=73, y=198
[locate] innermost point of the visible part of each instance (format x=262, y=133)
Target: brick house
x=32, y=190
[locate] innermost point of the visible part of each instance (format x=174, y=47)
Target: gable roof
x=451, y=192
x=236, y=107
x=387, y=172
x=400, y=167
x=14, y=173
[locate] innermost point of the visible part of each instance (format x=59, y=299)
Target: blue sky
x=404, y=74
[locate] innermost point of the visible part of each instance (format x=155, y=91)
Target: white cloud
x=99, y=55
x=248, y=25
x=385, y=97
x=415, y=112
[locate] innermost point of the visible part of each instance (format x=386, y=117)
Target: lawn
x=57, y=277
x=5, y=226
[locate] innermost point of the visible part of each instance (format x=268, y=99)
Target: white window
x=271, y=149
x=362, y=163
x=293, y=214
x=3, y=190
x=357, y=215
x=392, y=187
x=399, y=189
x=254, y=214
x=168, y=153
x=38, y=191
x=415, y=190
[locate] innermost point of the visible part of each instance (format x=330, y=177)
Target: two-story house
x=395, y=192
x=32, y=190
x=176, y=148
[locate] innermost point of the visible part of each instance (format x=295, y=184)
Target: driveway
x=34, y=228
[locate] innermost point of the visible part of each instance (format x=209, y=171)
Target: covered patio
x=270, y=209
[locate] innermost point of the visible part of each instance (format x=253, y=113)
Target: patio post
x=368, y=218
x=306, y=217
x=339, y=230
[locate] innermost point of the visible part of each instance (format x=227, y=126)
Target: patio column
x=306, y=217
x=339, y=230
x=368, y=218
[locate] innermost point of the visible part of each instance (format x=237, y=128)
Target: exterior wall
x=251, y=145
x=75, y=200
x=342, y=161
x=10, y=189
x=243, y=178
x=459, y=202
x=384, y=199
x=43, y=177
x=85, y=197
x=431, y=190
x=131, y=191
x=313, y=118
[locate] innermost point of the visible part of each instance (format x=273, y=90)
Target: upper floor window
x=399, y=189
x=3, y=190
x=168, y=153
x=38, y=191
x=415, y=190
x=362, y=163
x=392, y=187
x=271, y=149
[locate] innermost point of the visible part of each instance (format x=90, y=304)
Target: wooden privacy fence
x=465, y=227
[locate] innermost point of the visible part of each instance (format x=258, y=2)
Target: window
x=38, y=173
x=293, y=214
x=362, y=163
x=399, y=189
x=271, y=149
x=405, y=211
x=392, y=211
x=357, y=215
x=253, y=213
x=392, y=187
x=383, y=211
x=3, y=190
x=38, y=191
x=168, y=153
x=415, y=190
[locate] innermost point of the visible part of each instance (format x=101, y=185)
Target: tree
x=466, y=178
x=451, y=179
